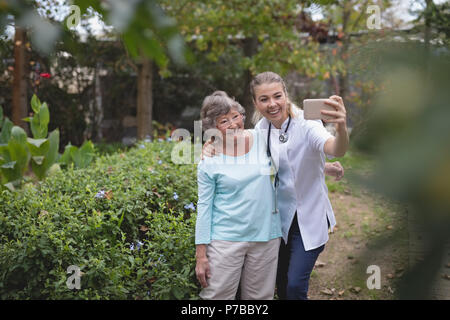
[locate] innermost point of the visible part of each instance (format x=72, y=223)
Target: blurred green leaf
x=15, y=151
x=38, y=159
x=407, y=132
x=5, y=134
x=9, y=165
x=66, y=157
x=35, y=104
x=36, y=142
x=85, y=155
x=44, y=115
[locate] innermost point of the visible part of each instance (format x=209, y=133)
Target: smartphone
x=312, y=108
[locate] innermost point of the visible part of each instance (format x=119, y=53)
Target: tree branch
x=363, y=12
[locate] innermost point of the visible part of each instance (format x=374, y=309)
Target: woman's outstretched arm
x=337, y=146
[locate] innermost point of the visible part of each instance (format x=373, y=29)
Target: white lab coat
x=300, y=162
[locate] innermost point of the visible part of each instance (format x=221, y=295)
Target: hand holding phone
x=312, y=108
x=330, y=110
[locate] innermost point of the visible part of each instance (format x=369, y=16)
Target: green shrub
x=122, y=220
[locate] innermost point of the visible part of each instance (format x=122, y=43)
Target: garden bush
x=127, y=221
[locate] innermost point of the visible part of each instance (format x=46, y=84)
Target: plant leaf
x=36, y=142
x=18, y=151
x=35, y=103
x=19, y=135
x=38, y=159
x=83, y=156
x=66, y=158
x=10, y=186
x=9, y=165
x=49, y=154
x=44, y=115
x=5, y=134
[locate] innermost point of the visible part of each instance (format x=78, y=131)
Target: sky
x=399, y=10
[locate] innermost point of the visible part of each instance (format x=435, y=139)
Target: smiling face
x=271, y=101
x=231, y=123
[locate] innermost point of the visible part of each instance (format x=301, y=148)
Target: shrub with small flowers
x=127, y=221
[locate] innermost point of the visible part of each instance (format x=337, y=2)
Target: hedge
x=127, y=221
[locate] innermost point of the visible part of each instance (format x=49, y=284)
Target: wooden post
x=144, y=99
x=20, y=84
x=250, y=46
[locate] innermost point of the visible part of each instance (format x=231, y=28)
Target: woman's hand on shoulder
x=209, y=150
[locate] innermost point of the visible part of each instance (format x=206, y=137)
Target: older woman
x=237, y=231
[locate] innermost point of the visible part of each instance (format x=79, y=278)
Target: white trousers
x=254, y=264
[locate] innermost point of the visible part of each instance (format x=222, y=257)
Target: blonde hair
x=267, y=78
x=215, y=105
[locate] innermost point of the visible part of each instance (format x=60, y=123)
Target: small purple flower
x=175, y=196
x=161, y=259
x=141, y=146
x=159, y=161
x=100, y=195
x=169, y=139
x=190, y=206
x=139, y=244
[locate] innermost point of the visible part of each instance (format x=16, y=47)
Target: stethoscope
x=283, y=139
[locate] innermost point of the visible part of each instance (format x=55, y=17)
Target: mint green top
x=236, y=198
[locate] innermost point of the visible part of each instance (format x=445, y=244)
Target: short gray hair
x=215, y=105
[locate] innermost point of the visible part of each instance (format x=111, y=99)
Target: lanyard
x=283, y=138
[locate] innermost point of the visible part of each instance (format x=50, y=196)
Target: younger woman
x=299, y=147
